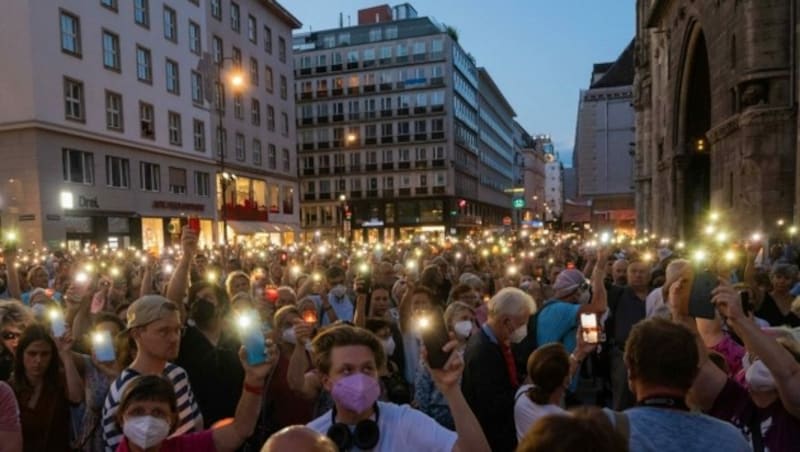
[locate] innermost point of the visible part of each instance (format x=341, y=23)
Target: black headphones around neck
x=364, y=437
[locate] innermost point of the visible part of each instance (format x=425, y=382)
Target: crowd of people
x=499, y=341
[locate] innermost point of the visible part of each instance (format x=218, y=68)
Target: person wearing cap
x=154, y=324
x=558, y=319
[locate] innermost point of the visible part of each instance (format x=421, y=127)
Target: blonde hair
x=453, y=309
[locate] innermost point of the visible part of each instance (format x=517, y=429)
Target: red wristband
x=255, y=390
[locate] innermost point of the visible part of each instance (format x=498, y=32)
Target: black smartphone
x=700, y=296
x=747, y=305
x=434, y=336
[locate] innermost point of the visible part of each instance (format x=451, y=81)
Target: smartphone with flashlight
x=589, y=330
x=700, y=295
x=57, y=323
x=434, y=335
x=310, y=316
x=103, y=346
x=252, y=339
x=194, y=223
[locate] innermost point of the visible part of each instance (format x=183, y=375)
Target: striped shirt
x=189, y=417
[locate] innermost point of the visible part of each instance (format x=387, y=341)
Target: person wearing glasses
x=154, y=324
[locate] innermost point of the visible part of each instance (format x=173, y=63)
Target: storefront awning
x=258, y=227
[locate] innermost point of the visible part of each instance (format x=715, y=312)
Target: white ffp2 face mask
x=146, y=431
x=389, y=346
x=759, y=377
x=463, y=329
x=519, y=334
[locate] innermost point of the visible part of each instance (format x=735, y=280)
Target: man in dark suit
x=490, y=374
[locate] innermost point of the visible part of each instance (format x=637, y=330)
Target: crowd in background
x=551, y=342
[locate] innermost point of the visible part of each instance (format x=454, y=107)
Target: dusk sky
x=539, y=52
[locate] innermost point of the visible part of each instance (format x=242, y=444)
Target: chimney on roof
x=374, y=15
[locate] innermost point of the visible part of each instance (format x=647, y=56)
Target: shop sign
x=27, y=217
x=52, y=217
x=178, y=206
x=373, y=223
x=88, y=203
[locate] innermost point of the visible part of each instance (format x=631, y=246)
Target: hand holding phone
x=430, y=323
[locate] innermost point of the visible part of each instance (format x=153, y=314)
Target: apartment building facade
x=388, y=131
x=105, y=126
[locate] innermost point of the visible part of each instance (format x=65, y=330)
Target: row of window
x=343, y=38
x=218, y=55
x=255, y=111
x=326, y=186
x=406, y=78
x=370, y=55
x=370, y=106
x=70, y=25
x=357, y=134
x=240, y=146
x=234, y=14
x=79, y=167
x=75, y=110
x=421, y=154
x=141, y=16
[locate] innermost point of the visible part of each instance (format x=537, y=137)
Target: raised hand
x=448, y=377
x=255, y=375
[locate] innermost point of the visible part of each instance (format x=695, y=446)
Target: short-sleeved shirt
x=192, y=442
x=558, y=323
x=189, y=417
x=665, y=430
x=526, y=412
x=9, y=410
x=779, y=430
x=401, y=428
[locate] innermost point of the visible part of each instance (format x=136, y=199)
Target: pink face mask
x=356, y=392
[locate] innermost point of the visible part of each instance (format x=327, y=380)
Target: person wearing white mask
x=460, y=321
x=286, y=405
x=558, y=319
x=148, y=414
x=394, y=387
x=490, y=375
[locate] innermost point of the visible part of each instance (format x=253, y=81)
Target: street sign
x=506, y=221
x=518, y=203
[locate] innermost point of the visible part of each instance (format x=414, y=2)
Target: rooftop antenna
x=341, y=20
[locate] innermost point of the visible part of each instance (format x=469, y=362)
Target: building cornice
x=282, y=13
x=57, y=128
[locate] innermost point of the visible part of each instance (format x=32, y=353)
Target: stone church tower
x=715, y=95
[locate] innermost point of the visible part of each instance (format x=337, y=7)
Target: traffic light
x=348, y=214
x=462, y=203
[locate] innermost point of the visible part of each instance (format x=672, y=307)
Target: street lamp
x=237, y=81
x=342, y=205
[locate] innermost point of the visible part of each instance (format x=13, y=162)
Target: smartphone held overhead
x=589, y=329
x=700, y=304
x=431, y=326
x=103, y=346
x=252, y=339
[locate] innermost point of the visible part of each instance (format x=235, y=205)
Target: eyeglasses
x=10, y=335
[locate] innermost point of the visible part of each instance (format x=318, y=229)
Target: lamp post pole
x=342, y=204
x=221, y=142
